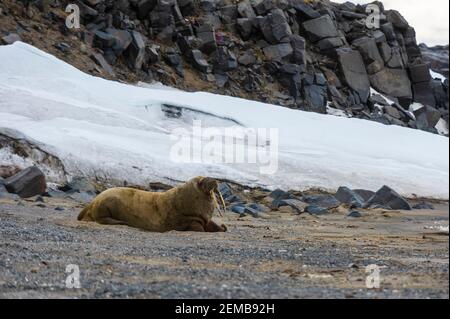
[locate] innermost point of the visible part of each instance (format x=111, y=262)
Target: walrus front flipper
x=110, y=221
x=83, y=214
x=212, y=227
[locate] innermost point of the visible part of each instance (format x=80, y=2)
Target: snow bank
x=119, y=131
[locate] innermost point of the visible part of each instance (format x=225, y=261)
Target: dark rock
x=396, y=19
x=100, y=60
x=420, y=73
x=296, y=204
x=63, y=47
x=354, y=214
x=275, y=27
x=245, y=9
x=248, y=58
x=10, y=39
x=225, y=190
x=175, y=61
x=306, y=12
x=136, y=51
x=243, y=210
x=28, y=183
x=82, y=197
x=263, y=6
x=329, y=44
x=325, y=201
x=423, y=93
x=144, y=7
x=320, y=28
x=350, y=197
x=199, y=61
x=369, y=51
x=316, y=210
x=245, y=27
x=279, y=194
x=427, y=117
x=423, y=205
x=278, y=52
x=315, y=98
x=354, y=71
x=224, y=60
x=299, y=49
x=387, y=197
x=392, y=82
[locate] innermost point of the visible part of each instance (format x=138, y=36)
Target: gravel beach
x=283, y=256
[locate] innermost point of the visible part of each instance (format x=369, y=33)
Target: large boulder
x=278, y=52
x=369, y=51
x=354, y=72
x=388, y=198
x=28, y=183
x=347, y=196
x=392, y=82
x=136, y=51
x=321, y=28
x=275, y=27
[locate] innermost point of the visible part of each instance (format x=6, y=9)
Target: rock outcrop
x=308, y=55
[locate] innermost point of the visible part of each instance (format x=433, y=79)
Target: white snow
x=438, y=76
x=114, y=130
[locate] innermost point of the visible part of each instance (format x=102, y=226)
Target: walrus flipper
x=84, y=213
x=110, y=221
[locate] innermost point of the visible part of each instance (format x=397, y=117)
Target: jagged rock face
x=301, y=54
x=437, y=57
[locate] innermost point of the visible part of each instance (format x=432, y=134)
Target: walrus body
x=188, y=207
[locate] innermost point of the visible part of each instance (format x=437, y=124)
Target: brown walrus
x=188, y=207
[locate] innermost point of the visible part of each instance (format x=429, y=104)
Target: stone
x=365, y=194
x=10, y=39
x=387, y=197
x=28, y=183
x=354, y=71
x=419, y=73
x=244, y=210
x=320, y=28
x=298, y=44
x=315, y=98
x=136, y=52
x=275, y=27
x=423, y=94
x=423, y=205
x=245, y=27
x=316, y=210
x=306, y=12
x=248, y=58
x=224, y=60
x=354, y=214
x=175, y=61
x=295, y=204
x=347, y=196
x=245, y=9
x=100, y=60
x=331, y=43
x=263, y=6
x=392, y=82
x=144, y=7
x=325, y=201
x=397, y=19
x=278, y=52
x=427, y=117
x=369, y=50
x=199, y=61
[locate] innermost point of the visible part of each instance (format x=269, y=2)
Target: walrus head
x=210, y=187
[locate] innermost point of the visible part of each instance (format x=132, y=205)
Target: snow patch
x=118, y=131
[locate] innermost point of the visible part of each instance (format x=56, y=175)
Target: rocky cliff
x=309, y=55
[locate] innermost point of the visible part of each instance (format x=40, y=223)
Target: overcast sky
x=430, y=18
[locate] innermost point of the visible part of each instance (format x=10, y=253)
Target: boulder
x=275, y=27
x=392, y=82
x=144, y=7
x=387, y=197
x=364, y=194
x=320, y=28
x=28, y=183
x=278, y=52
x=100, y=60
x=423, y=205
x=245, y=9
x=136, y=51
x=369, y=50
x=426, y=118
x=347, y=196
x=298, y=44
x=316, y=210
x=245, y=27
x=306, y=12
x=423, y=93
x=354, y=71
x=10, y=39
x=419, y=73
x=198, y=61
x=224, y=60
x=397, y=20
x=315, y=98
x=324, y=201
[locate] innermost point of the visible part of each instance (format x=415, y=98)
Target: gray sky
x=430, y=18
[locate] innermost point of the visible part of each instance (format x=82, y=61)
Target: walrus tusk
x=216, y=204
x=223, y=201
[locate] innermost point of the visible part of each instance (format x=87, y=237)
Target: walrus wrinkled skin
x=188, y=207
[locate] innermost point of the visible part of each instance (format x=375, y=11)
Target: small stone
x=424, y=205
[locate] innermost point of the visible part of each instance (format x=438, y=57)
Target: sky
x=430, y=18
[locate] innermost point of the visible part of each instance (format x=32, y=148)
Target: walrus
x=188, y=207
